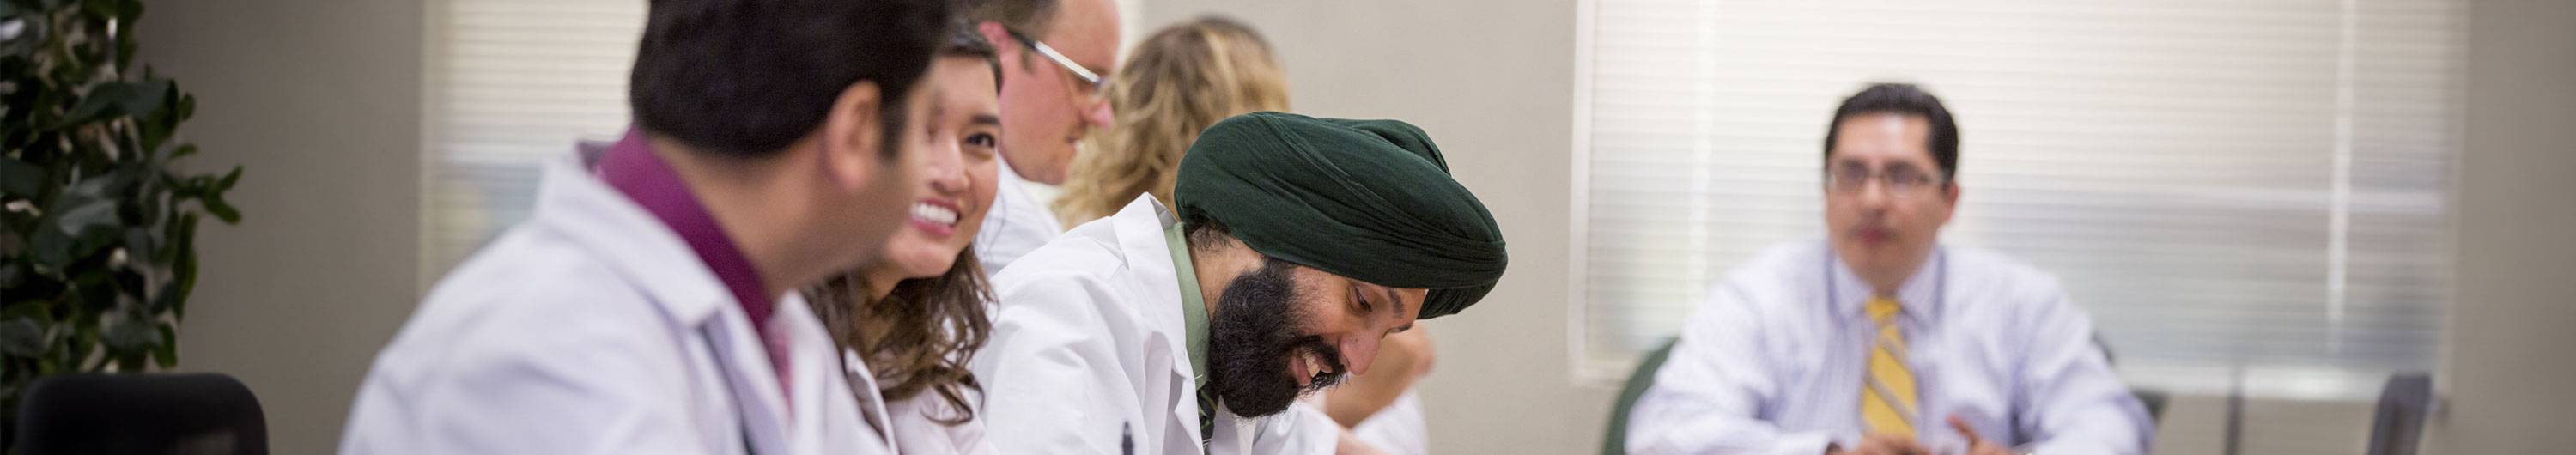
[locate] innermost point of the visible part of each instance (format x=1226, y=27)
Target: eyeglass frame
x=1099, y=84
x=1886, y=181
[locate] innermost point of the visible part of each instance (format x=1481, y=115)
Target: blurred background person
x=1877, y=340
x=916, y=316
x=651, y=307
x=1174, y=84
x=1055, y=56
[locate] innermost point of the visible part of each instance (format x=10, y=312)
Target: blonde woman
x=1179, y=80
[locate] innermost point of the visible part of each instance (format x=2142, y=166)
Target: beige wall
x=2510, y=364
x=320, y=101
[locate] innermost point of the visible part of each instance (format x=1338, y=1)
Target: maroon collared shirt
x=633, y=169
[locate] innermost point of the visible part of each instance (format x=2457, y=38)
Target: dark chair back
x=2153, y=399
x=156, y=414
x=2403, y=406
x=1615, y=441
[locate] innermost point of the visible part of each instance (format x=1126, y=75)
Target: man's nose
x=1359, y=351
x=1099, y=115
x=1875, y=194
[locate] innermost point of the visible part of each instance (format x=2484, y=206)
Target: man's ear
x=854, y=138
x=1949, y=201
x=998, y=37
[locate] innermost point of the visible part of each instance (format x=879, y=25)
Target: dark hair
x=920, y=337
x=748, y=79
x=1903, y=99
x=964, y=42
x=1201, y=231
x=1031, y=17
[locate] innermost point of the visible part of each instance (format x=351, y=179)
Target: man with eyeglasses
x=1879, y=340
x=1056, y=59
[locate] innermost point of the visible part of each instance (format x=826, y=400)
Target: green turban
x=1371, y=200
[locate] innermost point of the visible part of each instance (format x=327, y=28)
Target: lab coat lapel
x=863, y=383
x=656, y=261
x=1139, y=227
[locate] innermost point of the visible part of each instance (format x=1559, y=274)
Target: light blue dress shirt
x=1773, y=362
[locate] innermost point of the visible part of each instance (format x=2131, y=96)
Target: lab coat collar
x=589, y=213
x=1139, y=227
x=575, y=205
x=1147, y=253
x=634, y=171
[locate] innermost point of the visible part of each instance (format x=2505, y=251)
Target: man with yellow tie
x=1878, y=340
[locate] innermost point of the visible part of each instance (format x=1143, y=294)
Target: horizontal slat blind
x=514, y=83
x=2248, y=189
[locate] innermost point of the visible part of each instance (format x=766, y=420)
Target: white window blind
x=2252, y=190
x=513, y=84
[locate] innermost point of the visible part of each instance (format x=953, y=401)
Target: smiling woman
x=915, y=318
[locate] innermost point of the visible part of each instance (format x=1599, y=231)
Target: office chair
x=201, y=413
x=1615, y=442
x=2403, y=407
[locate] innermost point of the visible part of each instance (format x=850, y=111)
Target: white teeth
x=934, y=214
x=1314, y=365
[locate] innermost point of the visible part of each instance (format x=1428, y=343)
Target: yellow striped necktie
x=1887, y=396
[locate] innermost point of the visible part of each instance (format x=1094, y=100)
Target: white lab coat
x=917, y=430
x=1397, y=428
x=1088, y=348
x=592, y=329
x=1020, y=222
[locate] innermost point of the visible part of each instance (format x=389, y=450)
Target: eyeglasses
x=1900, y=181
x=1099, y=85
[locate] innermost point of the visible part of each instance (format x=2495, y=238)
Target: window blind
x=2243, y=193
x=513, y=84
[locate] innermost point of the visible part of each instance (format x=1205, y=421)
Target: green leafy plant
x=97, y=257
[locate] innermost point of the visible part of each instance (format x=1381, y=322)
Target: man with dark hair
x=1056, y=58
x=1880, y=341
x=1299, y=244
x=648, y=308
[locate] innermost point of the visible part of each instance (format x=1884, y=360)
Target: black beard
x=1256, y=329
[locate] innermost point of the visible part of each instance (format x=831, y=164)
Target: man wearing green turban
x=1298, y=244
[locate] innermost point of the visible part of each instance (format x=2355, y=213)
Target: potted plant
x=96, y=226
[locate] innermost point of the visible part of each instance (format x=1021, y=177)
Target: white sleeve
x=602, y=385
x=1397, y=429
x=1017, y=225
x=1300, y=430
x=1707, y=398
x=2075, y=402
